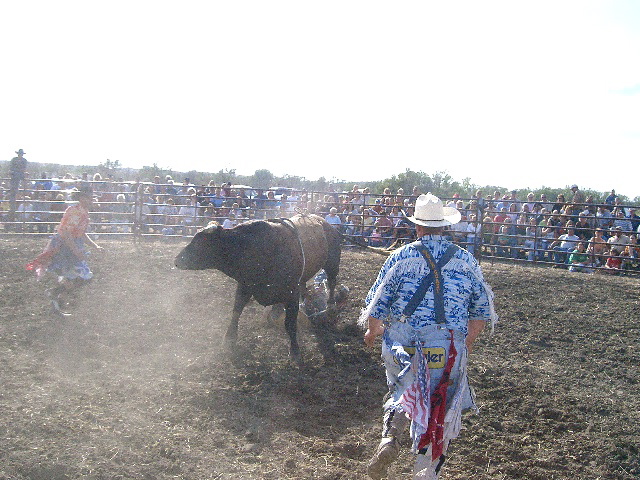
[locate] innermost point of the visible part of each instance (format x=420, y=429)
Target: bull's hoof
x=229, y=342
x=296, y=358
x=331, y=317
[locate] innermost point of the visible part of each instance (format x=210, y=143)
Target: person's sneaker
x=56, y=310
x=386, y=454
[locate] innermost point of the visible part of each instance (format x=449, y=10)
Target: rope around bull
x=290, y=224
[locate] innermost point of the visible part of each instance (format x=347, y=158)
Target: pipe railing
x=147, y=210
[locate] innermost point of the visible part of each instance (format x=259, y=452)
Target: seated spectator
x=476, y=207
x=502, y=203
x=613, y=264
x=499, y=218
x=504, y=242
x=489, y=233
x=286, y=208
x=620, y=220
x=376, y=239
x=141, y=212
x=531, y=200
x=604, y=218
x=522, y=222
x=458, y=231
x=353, y=225
x=555, y=220
x=589, y=206
x=189, y=216
x=403, y=230
x=226, y=193
x=230, y=221
x=618, y=240
x=395, y=214
x=545, y=203
x=169, y=217
x=532, y=241
x=377, y=207
x=237, y=210
x=548, y=233
x=120, y=215
x=564, y=244
x=582, y=227
x=631, y=254
x=513, y=238
x=58, y=206
x=513, y=213
x=41, y=211
x=368, y=219
x=634, y=219
x=24, y=212
x=538, y=212
x=596, y=248
x=579, y=260
x=560, y=203
x=473, y=233
x=333, y=219
x=383, y=226
x=271, y=205
x=571, y=213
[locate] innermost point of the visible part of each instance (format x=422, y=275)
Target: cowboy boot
x=389, y=447
x=385, y=455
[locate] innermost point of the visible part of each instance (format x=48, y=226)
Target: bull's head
x=201, y=253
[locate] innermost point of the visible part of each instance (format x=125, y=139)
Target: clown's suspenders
x=434, y=277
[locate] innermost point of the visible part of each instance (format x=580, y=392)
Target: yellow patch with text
x=436, y=357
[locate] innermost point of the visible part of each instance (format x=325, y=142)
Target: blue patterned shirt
x=466, y=295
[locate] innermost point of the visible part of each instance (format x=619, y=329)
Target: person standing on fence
x=429, y=303
x=65, y=255
x=17, y=174
x=578, y=197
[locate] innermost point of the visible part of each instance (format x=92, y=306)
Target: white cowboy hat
x=429, y=212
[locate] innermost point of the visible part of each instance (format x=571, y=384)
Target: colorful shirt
x=577, y=257
x=467, y=296
x=75, y=221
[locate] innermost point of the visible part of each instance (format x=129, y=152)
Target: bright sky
x=511, y=93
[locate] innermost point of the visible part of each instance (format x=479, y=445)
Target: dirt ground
x=136, y=384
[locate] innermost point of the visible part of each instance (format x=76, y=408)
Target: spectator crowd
x=578, y=233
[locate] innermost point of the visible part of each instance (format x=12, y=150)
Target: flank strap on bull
x=434, y=277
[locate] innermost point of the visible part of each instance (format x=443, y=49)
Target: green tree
x=442, y=184
x=109, y=167
x=262, y=178
x=406, y=180
x=225, y=176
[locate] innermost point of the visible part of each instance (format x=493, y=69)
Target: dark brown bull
x=271, y=260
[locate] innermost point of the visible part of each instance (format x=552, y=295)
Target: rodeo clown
x=429, y=303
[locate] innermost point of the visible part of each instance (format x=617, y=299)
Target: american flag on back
x=416, y=400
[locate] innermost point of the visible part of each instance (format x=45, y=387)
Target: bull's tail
x=361, y=242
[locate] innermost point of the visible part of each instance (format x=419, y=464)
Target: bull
x=271, y=260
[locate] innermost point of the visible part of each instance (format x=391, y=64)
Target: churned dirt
x=137, y=385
